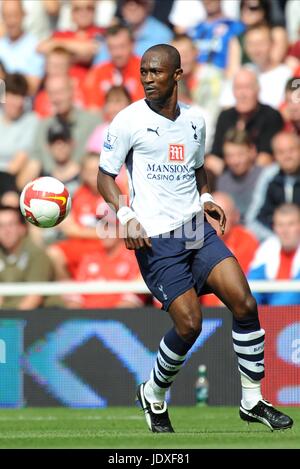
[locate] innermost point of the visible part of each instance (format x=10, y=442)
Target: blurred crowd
x=67, y=67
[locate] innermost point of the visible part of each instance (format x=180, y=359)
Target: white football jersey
x=161, y=156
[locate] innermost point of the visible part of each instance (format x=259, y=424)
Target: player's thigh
x=228, y=282
x=186, y=313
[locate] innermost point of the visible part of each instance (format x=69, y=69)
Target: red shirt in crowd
x=42, y=103
x=91, y=33
x=121, y=265
x=102, y=77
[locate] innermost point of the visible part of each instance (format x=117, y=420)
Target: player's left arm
x=209, y=206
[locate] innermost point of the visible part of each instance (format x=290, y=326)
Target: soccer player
x=179, y=253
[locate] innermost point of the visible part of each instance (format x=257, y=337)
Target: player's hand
x=216, y=212
x=136, y=236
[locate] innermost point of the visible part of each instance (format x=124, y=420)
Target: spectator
x=80, y=226
x=187, y=14
x=58, y=63
x=237, y=238
x=278, y=258
x=200, y=83
x=40, y=17
x=17, y=48
x=61, y=148
x=241, y=172
x=122, y=69
x=83, y=42
x=82, y=124
x=282, y=185
x=104, y=15
x=17, y=129
x=258, y=45
x=253, y=13
x=20, y=260
x=259, y=120
x=272, y=77
x=290, y=109
x=116, y=99
x=113, y=263
x=213, y=35
x=147, y=30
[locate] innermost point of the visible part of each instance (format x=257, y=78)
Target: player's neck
x=168, y=109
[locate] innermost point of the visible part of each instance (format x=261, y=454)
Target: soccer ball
x=45, y=202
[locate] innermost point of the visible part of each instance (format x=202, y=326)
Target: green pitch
x=115, y=427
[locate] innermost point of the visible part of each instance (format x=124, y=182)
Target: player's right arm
x=116, y=147
x=135, y=235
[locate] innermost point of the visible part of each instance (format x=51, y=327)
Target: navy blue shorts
x=170, y=268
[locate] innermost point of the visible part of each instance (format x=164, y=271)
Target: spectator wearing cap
x=81, y=122
x=18, y=48
x=83, y=42
x=123, y=68
x=17, y=130
x=147, y=30
x=61, y=148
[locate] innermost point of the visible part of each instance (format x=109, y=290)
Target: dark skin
x=160, y=76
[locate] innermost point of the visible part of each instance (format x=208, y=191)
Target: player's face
x=158, y=77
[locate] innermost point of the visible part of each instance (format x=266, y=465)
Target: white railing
x=59, y=288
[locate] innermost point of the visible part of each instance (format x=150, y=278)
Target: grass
x=124, y=427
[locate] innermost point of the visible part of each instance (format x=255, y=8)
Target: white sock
x=153, y=393
x=251, y=392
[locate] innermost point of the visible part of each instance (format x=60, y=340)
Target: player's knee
x=246, y=308
x=190, y=328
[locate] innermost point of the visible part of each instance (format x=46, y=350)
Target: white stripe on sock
x=247, y=337
x=169, y=352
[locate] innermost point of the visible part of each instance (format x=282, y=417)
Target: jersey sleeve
x=200, y=155
x=116, y=146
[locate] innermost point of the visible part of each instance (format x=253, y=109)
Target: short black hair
x=171, y=51
x=59, y=130
x=16, y=83
x=6, y=208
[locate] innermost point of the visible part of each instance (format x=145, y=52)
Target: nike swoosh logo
x=58, y=197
